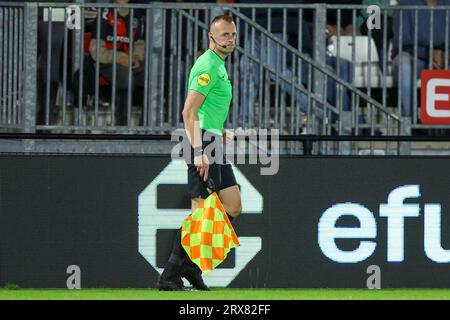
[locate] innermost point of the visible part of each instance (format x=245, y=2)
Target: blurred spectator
x=105, y=54
x=347, y=25
x=56, y=60
x=250, y=72
x=403, y=62
x=346, y=28
x=90, y=14
x=217, y=11
x=378, y=34
x=345, y=74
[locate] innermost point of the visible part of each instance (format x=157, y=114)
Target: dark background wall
x=57, y=211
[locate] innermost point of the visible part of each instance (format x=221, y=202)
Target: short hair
x=226, y=17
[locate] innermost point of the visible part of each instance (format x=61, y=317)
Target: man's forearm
x=139, y=49
x=191, y=124
x=192, y=105
x=105, y=55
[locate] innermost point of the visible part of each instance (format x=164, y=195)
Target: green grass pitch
x=225, y=294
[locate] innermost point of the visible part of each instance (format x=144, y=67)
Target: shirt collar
x=215, y=56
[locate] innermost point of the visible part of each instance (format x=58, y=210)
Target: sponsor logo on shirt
x=118, y=39
x=204, y=79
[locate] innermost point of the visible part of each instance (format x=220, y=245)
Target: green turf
x=225, y=294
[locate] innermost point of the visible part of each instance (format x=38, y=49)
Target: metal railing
x=311, y=82
x=277, y=83
x=388, y=60
x=12, y=66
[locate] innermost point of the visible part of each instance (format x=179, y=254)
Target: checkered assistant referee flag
x=207, y=234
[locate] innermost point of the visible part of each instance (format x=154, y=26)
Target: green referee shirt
x=210, y=78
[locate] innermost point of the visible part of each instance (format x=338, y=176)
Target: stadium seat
x=362, y=60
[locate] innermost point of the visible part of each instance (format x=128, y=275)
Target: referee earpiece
x=214, y=40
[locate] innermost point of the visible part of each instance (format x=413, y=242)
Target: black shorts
x=221, y=174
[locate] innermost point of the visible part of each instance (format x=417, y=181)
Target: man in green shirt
x=204, y=114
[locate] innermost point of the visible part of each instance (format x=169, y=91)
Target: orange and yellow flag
x=207, y=234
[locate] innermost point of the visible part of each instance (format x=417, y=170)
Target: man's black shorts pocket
x=222, y=176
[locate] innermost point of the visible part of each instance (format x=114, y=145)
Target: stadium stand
x=292, y=86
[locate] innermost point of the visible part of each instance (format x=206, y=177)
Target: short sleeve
x=104, y=25
x=203, y=80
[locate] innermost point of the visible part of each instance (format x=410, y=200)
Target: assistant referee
x=205, y=111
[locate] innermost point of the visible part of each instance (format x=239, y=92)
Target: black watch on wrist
x=198, y=151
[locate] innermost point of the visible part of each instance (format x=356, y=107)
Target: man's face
x=121, y=1
x=225, y=34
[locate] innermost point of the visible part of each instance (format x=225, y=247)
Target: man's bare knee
x=234, y=210
x=231, y=199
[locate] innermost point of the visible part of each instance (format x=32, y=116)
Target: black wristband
x=198, y=151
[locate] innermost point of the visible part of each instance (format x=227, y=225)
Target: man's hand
x=202, y=164
x=330, y=31
x=438, y=59
x=136, y=63
x=123, y=60
x=228, y=136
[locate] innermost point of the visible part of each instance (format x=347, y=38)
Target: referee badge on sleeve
x=204, y=79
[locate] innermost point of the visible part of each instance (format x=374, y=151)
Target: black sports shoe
x=194, y=276
x=170, y=285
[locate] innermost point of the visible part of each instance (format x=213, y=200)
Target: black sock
x=188, y=263
x=177, y=256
